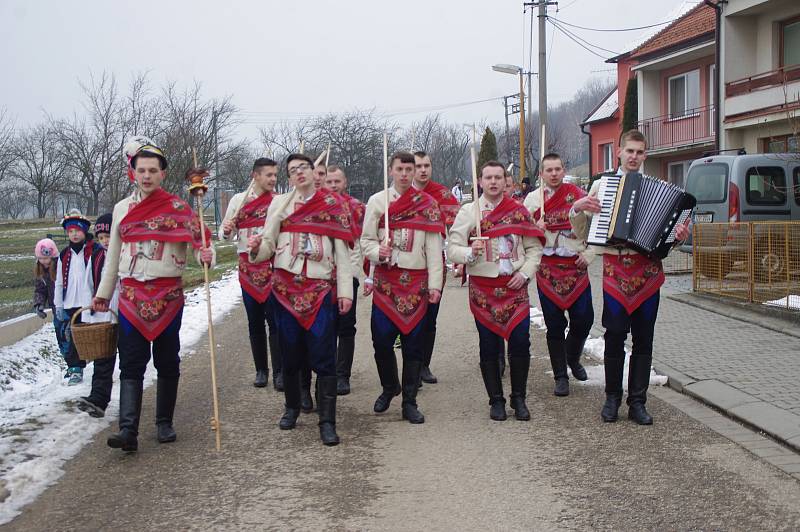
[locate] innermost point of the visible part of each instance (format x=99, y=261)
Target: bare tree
x=91, y=143
x=39, y=164
x=6, y=143
x=14, y=200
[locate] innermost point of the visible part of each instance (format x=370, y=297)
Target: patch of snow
x=40, y=425
x=594, y=349
x=791, y=301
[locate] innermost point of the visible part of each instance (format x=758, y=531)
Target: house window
x=790, y=42
x=766, y=185
x=676, y=172
x=797, y=185
x=782, y=144
x=609, y=161
x=684, y=94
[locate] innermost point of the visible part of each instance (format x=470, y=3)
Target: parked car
x=747, y=188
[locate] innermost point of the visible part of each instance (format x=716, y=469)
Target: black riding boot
x=344, y=364
x=275, y=355
x=130, y=409
x=574, y=348
x=411, y=371
x=519, y=386
x=613, y=364
x=306, y=402
x=490, y=370
x=387, y=372
x=166, y=396
x=638, y=382
x=558, y=361
x=425, y=373
x=291, y=393
x=326, y=406
x=258, y=345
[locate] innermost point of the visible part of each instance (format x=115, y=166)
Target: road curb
x=779, y=424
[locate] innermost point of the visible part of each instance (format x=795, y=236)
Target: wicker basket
x=94, y=341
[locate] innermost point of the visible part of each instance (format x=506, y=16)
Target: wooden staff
x=327, y=155
x=197, y=188
x=302, y=146
x=542, y=144
x=386, y=187
x=475, y=195
x=323, y=155
x=244, y=200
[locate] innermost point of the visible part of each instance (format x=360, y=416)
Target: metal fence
x=757, y=262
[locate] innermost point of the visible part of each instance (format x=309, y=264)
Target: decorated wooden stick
x=475, y=196
x=327, y=155
x=386, y=187
x=542, y=144
x=302, y=146
x=198, y=188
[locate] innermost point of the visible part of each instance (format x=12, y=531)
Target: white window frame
x=608, y=156
x=685, y=170
x=686, y=107
x=712, y=72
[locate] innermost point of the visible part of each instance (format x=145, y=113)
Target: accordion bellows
x=640, y=212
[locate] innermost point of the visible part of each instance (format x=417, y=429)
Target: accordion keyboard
x=601, y=222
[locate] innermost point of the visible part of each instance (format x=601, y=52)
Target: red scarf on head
x=510, y=217
x=558, y=205
x=356, y=209
x=163, y=217
x=415, y=210
x=322, y=215
x=448, y=203
x=254, y=212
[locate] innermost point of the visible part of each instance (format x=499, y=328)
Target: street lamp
x=516, y=70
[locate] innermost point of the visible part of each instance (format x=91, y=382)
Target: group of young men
x=301, y=257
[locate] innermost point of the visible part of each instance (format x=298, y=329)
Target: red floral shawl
x=557, y=207
x=448, y=203
x=254, y=212
x=163, y=217
x=322, y=215
x=415, y=210
x=510, y=217
x=356, y=209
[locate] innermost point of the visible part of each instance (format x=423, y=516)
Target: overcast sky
x=286, y=58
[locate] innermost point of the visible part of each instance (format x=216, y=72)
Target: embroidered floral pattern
x=502, y=312
x=151, y=309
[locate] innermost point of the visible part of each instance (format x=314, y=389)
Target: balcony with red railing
x=692, y=128
x=764, y=80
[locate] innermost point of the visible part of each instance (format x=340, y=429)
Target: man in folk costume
x=449, y=206
x=336, y=182
x=245, y=217
x=631, y=283
x=308, y=234
x=562, y=278
x=499, y=269
x=407, y=278
x=152, y=233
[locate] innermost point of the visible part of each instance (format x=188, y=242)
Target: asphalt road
x=564, y=469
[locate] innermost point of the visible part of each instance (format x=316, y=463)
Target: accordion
x=640, y=212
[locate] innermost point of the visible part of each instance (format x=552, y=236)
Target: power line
x=556, y=24
x=579, y=43
x=613, y=29
x=566, y=6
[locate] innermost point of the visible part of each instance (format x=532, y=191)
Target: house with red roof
x=674, y=73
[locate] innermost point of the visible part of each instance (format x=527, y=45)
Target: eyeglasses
x=299, y=168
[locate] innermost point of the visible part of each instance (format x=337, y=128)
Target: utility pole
x=542, y=14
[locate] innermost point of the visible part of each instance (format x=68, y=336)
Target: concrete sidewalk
x=736, y=359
